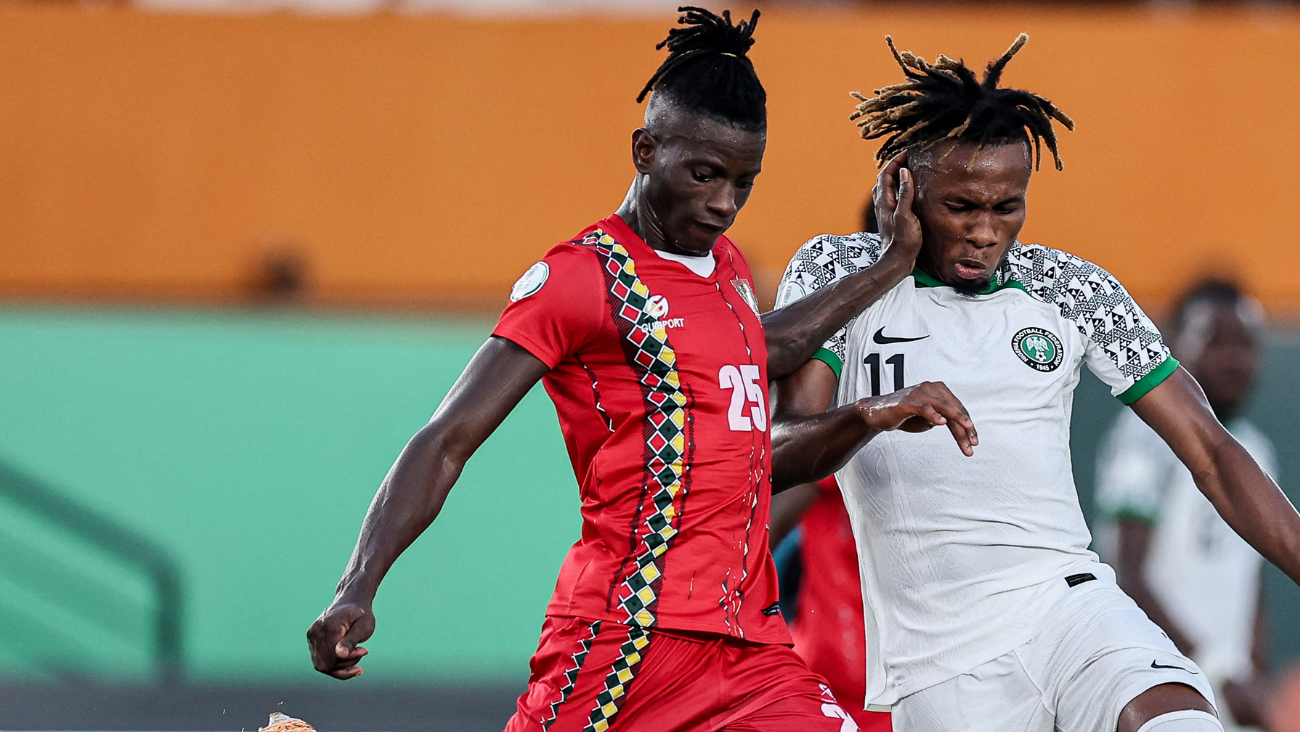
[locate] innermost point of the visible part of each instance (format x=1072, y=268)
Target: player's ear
x=644, y=149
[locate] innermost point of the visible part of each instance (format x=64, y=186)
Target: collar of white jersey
x=999, y=281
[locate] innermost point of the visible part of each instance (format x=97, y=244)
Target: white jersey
x=1205, y=576
x=962, y=557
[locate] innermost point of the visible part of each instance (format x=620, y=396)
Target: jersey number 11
x=873, y=371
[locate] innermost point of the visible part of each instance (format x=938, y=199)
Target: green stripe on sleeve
x=1150, y=381
x=828, y=357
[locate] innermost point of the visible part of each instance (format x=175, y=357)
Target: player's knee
x=1188, y=720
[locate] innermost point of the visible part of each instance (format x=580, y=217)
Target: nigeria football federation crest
x=1040, y=349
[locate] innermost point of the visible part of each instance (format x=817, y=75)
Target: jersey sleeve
x=1133, y=470
x=1121, y=344
x=820, y=262
x=556, y=306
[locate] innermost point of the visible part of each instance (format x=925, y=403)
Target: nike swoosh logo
x=883, y=339
x=1176, y=668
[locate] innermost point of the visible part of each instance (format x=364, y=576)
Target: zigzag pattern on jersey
x=823, y=260
x=1093, y=300
x=655, y=363
x=619, y=680
x=571, y=675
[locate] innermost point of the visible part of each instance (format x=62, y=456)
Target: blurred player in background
x=821, y=592
x=1284, y=703
x=818, y=563
x=1172, y=552
x=647, y=336
x=986, y=610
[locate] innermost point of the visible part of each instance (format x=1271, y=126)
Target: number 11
x=873, y=371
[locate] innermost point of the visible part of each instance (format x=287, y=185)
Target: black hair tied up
x=708, y=69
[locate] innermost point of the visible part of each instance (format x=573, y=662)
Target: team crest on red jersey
x=746, y=292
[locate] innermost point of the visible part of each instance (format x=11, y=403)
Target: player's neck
x=641, y=218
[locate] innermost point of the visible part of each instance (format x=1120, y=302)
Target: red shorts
x=596, y=676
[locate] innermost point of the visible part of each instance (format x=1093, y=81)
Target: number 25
x=743, y=382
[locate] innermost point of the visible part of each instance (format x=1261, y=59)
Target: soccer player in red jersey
x=645, y=332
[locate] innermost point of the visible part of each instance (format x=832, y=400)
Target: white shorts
x=1094, y=653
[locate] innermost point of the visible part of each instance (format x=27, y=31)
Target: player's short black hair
x=945, y=101
x=708, y=70
x=1212, y=291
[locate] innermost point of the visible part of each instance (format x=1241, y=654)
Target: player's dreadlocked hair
x=945, y=101
x=707, y=70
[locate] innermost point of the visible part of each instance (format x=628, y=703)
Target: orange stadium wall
x=431, y=159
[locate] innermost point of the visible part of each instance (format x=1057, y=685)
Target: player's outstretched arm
x=806, y=392
x=795, y=331
x=1247, y=499
x=413, y=492
x=809, y=448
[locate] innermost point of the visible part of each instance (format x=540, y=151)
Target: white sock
x=1185, y=721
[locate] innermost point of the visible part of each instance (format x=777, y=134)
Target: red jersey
x=659, y=378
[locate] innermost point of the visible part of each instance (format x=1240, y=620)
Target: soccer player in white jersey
x=986, y=612
x=1172, y=552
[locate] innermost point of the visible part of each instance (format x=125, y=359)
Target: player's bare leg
x=1165, y=699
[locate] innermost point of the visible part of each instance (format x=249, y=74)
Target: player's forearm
x=407, y=502
x=1243, y=494
x=795, y=331
x=807, y=449
x=1252, y=504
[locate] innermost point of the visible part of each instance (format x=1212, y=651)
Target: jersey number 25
x=745, y=390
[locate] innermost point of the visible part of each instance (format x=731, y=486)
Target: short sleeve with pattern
x=556, y=306
x=820, y=262
x=1122, y=346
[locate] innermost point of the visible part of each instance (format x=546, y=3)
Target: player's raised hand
x=893, y=196
x=334, y=638
x=919, y=408
x=884, y=195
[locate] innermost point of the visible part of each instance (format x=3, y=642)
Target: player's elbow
x=783, y=357
x=447, y=443
x=783, y=479
x=1214, y=460
x=782, y=436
